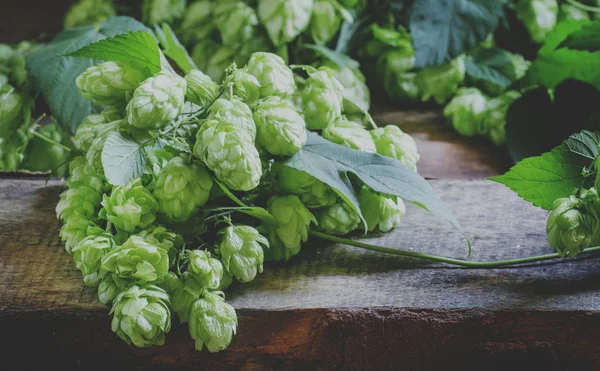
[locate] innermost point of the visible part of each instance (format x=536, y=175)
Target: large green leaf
x=54, y=76
x=122, y=159
x=173, y=48
x=442, y=30
x=332, y=163
x=587, y=38
x=493, y=66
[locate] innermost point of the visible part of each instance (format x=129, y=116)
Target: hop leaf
x=392, y=142
x=201, y=89
x=323, y=99
x=230, y=153
x=181, y=188
x=130, y=206
x=137, y=261
x=204, y=269
x=274, y=77
x=349, y=134
x=338, y=219
x=313, y=192
x=380, y=211
x=109, y=83
x=157, y=101
x=241, y=248
x=212, y=322
x=88, y=255
x=284, y=19
x=466, y=111
x=142, y=315
x=281, y=130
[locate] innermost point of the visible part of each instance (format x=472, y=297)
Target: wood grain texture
x=332, y=307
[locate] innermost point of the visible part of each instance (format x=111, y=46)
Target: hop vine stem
x=443, y=259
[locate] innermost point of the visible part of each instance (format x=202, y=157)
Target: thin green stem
x=581, y=6
x=442, y=259
x=52, y=141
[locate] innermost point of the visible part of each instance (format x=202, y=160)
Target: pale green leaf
x=122, y=159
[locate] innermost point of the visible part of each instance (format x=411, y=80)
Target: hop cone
x=392, y=142
x=274, y=77
x=183, y=297
x=82, y=175
x=281, y=130
x=160, y=237
x=137, y=261
x=201, y=90
x=245, y=86
x=94, y=126
x=11, y=104
x=181, y=188
x=157, y=101
x=538, y=16
x=74, y=230
x=312, y=192
x=130, y=206
x=44, y=156
x=569, y=227
x=338, y=219
x=323, y=99
x=109, y=83
x=355, y=87
x=349, y=134
x=204, y=269
x=241, y=248
x=108, y=289
x=88, y=12
x=237, y=24
x=293, y=220
x=88, y=255
x=212, y=322
x=142, y=315
x=466, y=111
x=380, y=212
x=161, y=11
x=284, y=19
x=233, y=112
x=230, y=153
x=82, y=200
x=441, y=82
x=325, y=22
x=494, y=117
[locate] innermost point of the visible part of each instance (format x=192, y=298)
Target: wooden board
x=333, y=307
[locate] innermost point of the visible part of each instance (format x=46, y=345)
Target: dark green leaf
x=491, y=66
x=54, y=76
x=347, y=32
x=584, y=144
x=173, y=48
x=138, y=50
x=588, y=39
x=122, y=159
x=444, y=29
x=331, y=164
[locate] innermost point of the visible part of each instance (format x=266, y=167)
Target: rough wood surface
x=333, y=307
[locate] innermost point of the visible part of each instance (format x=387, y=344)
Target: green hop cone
x=285, y=19
x=130, y=206
x=349, y=134
x=241, y=248
x=216, y=63
x=74, y=230
x=6, y=52
x=197, y=22
x=569, y=227
x=108, y=289
x=466, y=111
x=205, y=269
x=355, y=87
x=293, y=219
x=572, y=13
x=81, y=175
x=274, y=77
x=311, y=191
x=245, y=86
x=89, y=12
x=160, y=237
x=44, y=156
x=201, y=89
x=183, y=297
x=380, y=211
x=230, y=153
x=237, y=25
x=441, y=82
x=136, y=261
x=392, y=142
x=141, y=315
x=160, y=11
x=95, y=126
x=538, y=16
x=494, y=118
x=88, y=256
x=234, y=112
x=82, y=200
x=109, y=83
x=402, y=87
x=213, y=322
x=157, y=101
x=281, y=130
x=226, y=281
x=323, y=99
x=181, y=188
x=325, y=21
x=11, y=105
x=338, y=219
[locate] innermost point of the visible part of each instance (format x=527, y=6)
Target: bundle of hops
x=172, y=240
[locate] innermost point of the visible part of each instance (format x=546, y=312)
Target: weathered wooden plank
x=332, y=306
